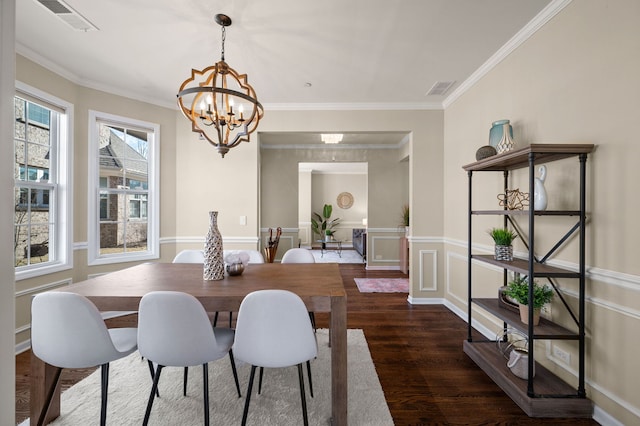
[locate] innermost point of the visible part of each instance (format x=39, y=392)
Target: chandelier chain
x=224, y=36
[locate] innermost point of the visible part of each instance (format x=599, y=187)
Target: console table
x=326, y=243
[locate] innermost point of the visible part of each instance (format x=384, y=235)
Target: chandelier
x=219, y=102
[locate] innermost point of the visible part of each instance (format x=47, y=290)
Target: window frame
x=153, y=192
x=61, y=197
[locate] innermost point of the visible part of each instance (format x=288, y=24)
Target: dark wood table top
x=122, y=290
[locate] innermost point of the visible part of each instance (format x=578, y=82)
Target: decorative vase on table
x=213, y=255
x=501, y=136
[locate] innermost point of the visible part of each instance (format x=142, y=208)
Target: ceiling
x=298, y=54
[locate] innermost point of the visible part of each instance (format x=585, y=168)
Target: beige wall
x=575, y=80
x=208, y=182
x=327, y=187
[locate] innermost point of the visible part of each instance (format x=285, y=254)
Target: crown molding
x=362, y=106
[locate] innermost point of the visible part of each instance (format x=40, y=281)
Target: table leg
x=338, y=340
x=42, y=378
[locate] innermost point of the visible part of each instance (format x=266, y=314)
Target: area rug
x=279, y=403
x=382, y=285
x=331, y=256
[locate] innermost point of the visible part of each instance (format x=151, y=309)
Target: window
x=123, y=200
x=42, y=200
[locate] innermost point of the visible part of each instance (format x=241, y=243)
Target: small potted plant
x=518, y=290
x=405, y=219
x=503, y=238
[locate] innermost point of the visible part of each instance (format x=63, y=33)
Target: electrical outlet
x=562, y=355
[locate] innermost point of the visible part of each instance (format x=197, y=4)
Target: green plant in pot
x=322, y=224
x=518, y=290
x=405, y=219
x=503, y=239
x=405, y=215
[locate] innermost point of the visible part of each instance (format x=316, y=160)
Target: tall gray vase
x=213, y=259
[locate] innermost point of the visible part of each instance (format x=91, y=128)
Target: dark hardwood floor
x=417, y=352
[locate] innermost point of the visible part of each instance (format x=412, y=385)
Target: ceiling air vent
x=68, y=15
x=440, y=88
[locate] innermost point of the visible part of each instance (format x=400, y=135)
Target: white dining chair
x=298, y=255
x=273, y=330
x=189, y=256
x=174, y=331
x=254, y=255
x=67, y=331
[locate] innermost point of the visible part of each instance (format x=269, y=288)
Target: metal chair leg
x=246, y=403
x=154, y=388
x=152, y=375
x=235, y=372
x=260, y=380
x=312, y=317
x=302, y=396
x=184, y=381
x=104, y=373
x=310, y=380
x=205, y=381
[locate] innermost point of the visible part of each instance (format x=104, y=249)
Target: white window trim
x=64, y=205
x=93, y=212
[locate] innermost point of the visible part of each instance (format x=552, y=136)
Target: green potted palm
x=322, y=224
x=503, y=239
x=518, y=290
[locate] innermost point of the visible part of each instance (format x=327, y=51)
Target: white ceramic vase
x=540, y=194
x=213, y=255
x=506, y=142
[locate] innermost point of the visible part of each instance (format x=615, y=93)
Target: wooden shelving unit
x=542, y=395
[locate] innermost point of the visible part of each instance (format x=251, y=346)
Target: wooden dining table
x=319, y=285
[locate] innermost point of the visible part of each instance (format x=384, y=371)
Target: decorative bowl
x=234, y=269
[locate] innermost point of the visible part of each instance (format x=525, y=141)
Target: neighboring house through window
x=42, y=172
x=123, y=189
